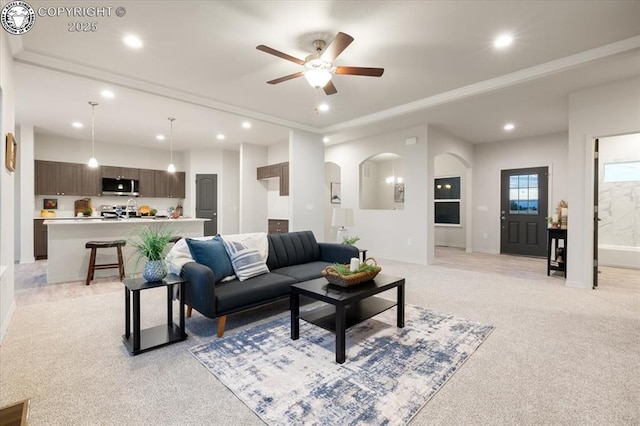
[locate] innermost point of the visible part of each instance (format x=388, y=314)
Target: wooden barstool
x=94, y=246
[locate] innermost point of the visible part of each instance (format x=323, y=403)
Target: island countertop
x=68, y=259
x=95, y=220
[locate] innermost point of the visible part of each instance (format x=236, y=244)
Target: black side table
x=556, y=255
x=151, y=338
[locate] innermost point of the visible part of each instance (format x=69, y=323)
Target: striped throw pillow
x=246, y=261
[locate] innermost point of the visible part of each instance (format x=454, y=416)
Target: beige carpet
x=557, y=356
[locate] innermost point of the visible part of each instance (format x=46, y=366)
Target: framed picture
x=335, y=193
x=11, y=147
x=398, y=193
x=50, y=203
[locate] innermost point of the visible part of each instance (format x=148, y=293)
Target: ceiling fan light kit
x=318, y=66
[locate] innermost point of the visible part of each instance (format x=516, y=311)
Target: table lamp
x=342, y=217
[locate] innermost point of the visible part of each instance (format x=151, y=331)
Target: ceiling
x=199, y=64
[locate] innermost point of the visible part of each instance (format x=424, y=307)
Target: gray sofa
x=293, y=257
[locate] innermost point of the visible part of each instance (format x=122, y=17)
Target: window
x=447, y=200
x=523, y=194
x=622, y=172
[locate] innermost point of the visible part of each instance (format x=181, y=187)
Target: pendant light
x=93, y=163
x=171, y=168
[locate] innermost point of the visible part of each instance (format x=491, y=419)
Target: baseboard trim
x=7, y=320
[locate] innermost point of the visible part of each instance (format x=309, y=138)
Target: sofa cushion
x=232, y=296
x=246, y=261
x=213, y=254
x=304, y=272
x=293, y=248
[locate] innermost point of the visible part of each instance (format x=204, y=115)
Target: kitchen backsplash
x=66, y=203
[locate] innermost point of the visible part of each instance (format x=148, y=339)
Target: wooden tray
x=353, y=279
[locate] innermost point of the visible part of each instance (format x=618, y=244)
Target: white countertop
x=95, y=220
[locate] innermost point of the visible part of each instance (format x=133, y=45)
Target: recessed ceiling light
x=160, y=137
x=132, y=41
x=503, y=41
x=246, y=125
x=107, y=94
x=323, y=107
x=509, y=126
x=220, y=136
x=325, y=139
x=77, y=124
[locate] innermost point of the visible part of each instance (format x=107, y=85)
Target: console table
x=556, y=255
x=155, y=337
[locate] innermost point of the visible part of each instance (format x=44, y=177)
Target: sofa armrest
x=337, y=253
x=200, y=291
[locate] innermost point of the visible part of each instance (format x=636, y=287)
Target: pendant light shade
x=93, y=163
x=171, y=168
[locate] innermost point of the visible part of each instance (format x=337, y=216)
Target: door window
x=523, y=194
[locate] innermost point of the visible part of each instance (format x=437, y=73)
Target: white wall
x=225, y=164
x=229, y=194
x=606, y=110
x=24, y=192
x=441, y=142
x=306, y=185
x=253, y=196
x=490, y=158
x=331, y=174
x=452, y=235
x=7, y=188
x=277, y=205
x=392, y=234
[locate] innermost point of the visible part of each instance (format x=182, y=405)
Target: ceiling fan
x=318, y=67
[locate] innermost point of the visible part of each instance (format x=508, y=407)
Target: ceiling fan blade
x=369, y=72
x=285, y=78
x=279, y=54
x=336, y=47
x=329, y=88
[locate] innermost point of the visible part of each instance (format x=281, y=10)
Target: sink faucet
x=135, y=205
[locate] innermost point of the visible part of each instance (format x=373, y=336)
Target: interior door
x=523, y=211
x=207, y=202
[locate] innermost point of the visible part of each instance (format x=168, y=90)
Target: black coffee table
x=348, y=306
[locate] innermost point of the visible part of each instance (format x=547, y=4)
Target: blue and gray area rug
x=389, y=374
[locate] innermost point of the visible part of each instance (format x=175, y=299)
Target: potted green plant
x=87, y=212
x=350, y=241
x=150, y=243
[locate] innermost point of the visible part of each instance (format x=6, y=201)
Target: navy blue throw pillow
x=212, y=253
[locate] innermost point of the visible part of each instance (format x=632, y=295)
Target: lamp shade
x=342, y=217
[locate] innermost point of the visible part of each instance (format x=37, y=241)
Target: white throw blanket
x=179, y=255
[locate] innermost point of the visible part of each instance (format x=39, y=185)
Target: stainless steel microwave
x=128, y=187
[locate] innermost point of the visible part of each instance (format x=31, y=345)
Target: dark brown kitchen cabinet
x=176, y=184
x=56, y=178
x=169, y=185
x=278, y=226
x=284, y=179
x=91, y=184
x=40, y=237
x=147, y=183
x=280, y=170
x=47, y=177
x=120, y=172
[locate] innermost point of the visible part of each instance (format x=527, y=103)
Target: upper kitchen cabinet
x=169, y=185
x=120, y=172
x=55, y=178
x=147, y=183
x=280, y=170
x=91, y=183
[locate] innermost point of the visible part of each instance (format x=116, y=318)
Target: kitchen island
x=68, y=259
